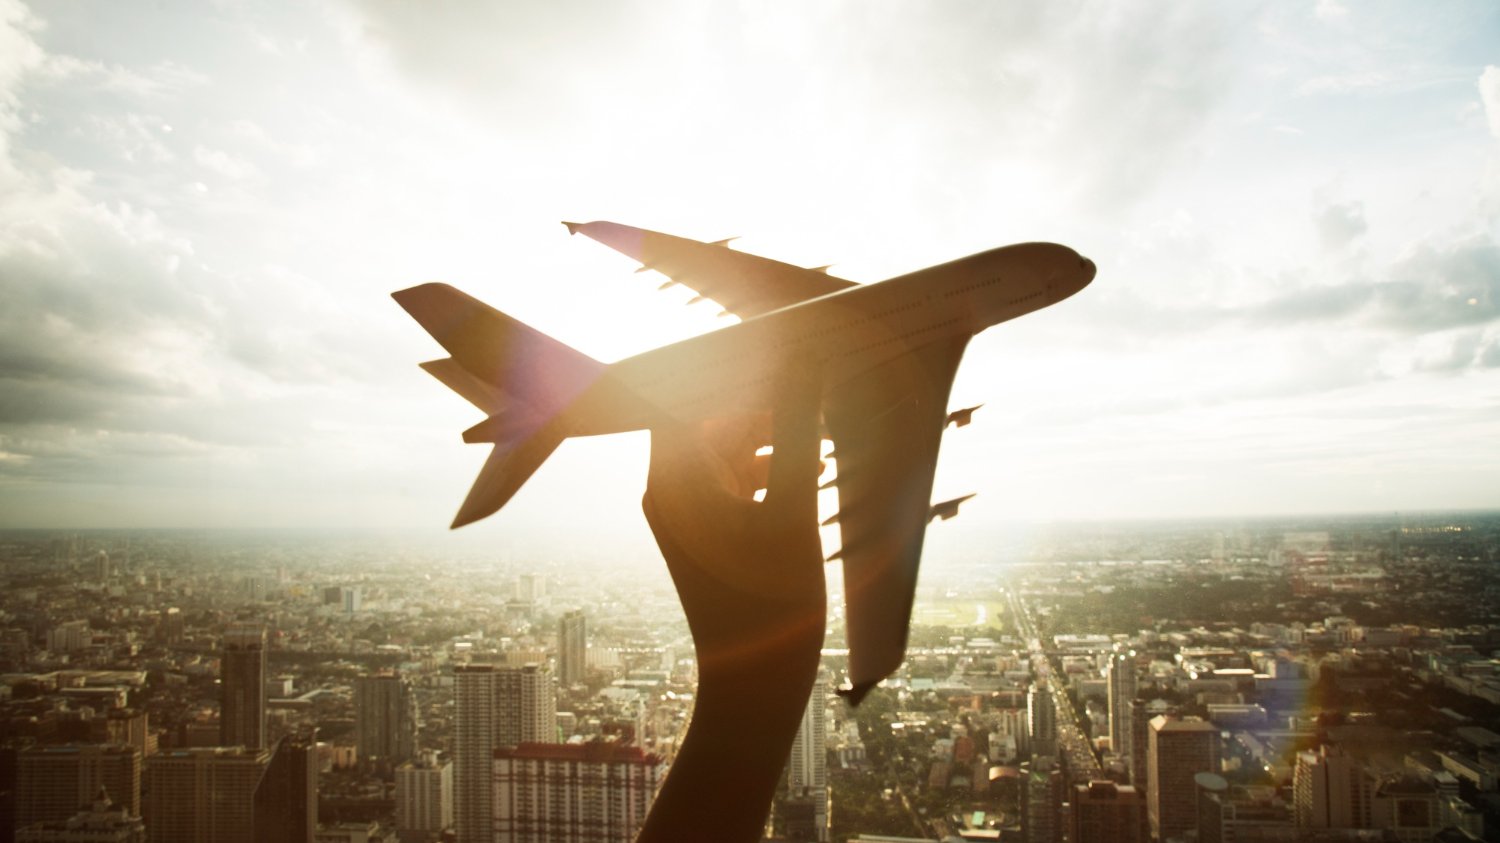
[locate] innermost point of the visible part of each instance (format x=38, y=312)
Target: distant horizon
x=1330, y=515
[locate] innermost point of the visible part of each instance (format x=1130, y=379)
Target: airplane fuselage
x=728, y=372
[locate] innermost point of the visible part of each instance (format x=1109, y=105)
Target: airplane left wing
x=745, y=285
x=886, y=425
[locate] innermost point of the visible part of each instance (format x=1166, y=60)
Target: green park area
x=958, y=613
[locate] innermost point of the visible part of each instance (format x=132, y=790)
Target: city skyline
x=1343, y=672
x=1293, y=209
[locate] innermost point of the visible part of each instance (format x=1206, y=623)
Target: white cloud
x=1331, y=10
x=207, y=307
x=19, y=55
x=1343, y=83
x=226, y=165
x=160, y=80
x=1340, y=223
x=1489, y=95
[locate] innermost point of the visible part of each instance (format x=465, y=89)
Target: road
x=1072, y=740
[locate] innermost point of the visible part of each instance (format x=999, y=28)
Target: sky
x=1294, y=208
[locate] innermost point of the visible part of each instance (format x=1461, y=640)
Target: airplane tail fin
x=522, y=378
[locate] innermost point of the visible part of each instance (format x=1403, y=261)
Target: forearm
x=749, y=704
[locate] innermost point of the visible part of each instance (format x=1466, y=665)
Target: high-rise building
x=572, y=647
x=242, y=687
x=102, y=567
x=1042, y=800
x=1041, y=719
x=531, y=588
x=424, y=798
x=385, y=719
x=571, y=793
x=476, y=731
x=1215, y=810
x=55, y=782
x=807, y=766
x=1140, y=741
x=1012, y=723
x=1105, y=812
x=286, y=800
x=1179, y=750
x=1331, y=790
x=1120, y=676
x=204, y=795
x=170, y=629
x=497, y=707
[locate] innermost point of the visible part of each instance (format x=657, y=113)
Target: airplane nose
x=1086, y=271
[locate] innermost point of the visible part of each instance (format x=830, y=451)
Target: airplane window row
x=826, y=330
x=909, y=334
x=986, y=283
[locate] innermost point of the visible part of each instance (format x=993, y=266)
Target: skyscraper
x=1120, y=676
x=1041, y=719
x=242, y=687
x=497, y=707
x=589, y=793
x=169, y=631
x=476, y=736
x=1140, y=740
x=286, y=800
x=385, y=718
x=572, y=647
x=1042, y=799
x=807, y=766
x=1105, y=812
x=1179, y=750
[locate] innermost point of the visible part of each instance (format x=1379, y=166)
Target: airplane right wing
x=746, y=285
x=886, y=425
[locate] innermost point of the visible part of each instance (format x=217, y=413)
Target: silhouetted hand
x=750, y=576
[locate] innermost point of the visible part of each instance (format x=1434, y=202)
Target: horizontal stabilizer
x=524, y=380
x=502, y=428
x=507, y=469
x=502, y=353
x=458, y=379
